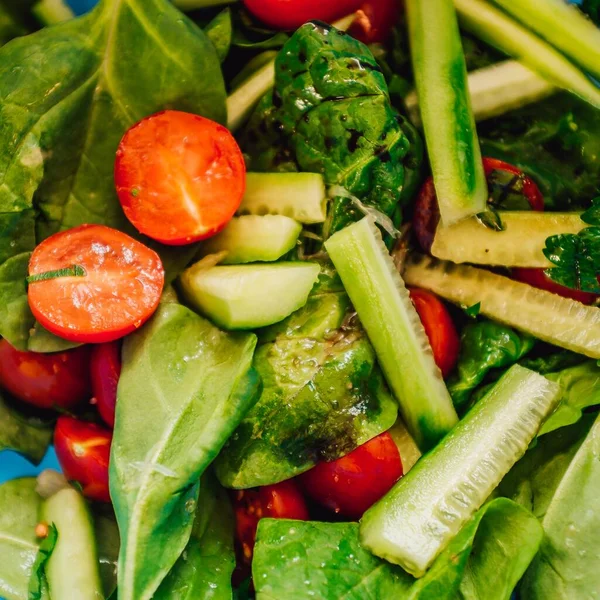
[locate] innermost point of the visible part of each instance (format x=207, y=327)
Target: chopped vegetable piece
x=249, y=296
x=180, y=177
x=417, y=519
x=538, y=279
x=300, y=196
x=441, y=81
x=120, y=291
x=50, y=12
x=556, y=320
x=393, y=326
x=105, y=368
x=254, y=239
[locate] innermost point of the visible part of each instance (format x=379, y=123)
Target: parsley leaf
x=37, y=581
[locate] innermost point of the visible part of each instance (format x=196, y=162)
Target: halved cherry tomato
x=375, y=20
x=60, y=380
x=350, y=485
x=105, y=370
x=180, y=177
x=83, y=451
x=120, y=290
x=538, y=279
x=439, y=328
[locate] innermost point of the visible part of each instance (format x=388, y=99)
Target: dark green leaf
x=108, y=542
x=592, y=215
x=551, y=360
x=249, y=34
x=491, y=219
x=37, y=581
x=220, y=31
x=41, y=340
x=592, y=8
x=473, y=311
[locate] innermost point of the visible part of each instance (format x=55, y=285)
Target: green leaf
x=219, y=32
x=473, y=311
x=37, y=581
x=107, y=542
x=592, y=215
x=74, y=90
x=41, y=340
x=184, y=388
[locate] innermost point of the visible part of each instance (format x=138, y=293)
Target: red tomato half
x=538, y=279
x=350, y=485
x=120, y=290
x=375, y=20
x=105, y=371
x=60, y=380
x=439, y=328
x=180, y=177
x=83, y=451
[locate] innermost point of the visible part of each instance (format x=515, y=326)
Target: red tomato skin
x=350, y=485
x=180, y=177
x=105, y=368
x=47, y=381
x=83, y=451
x=127, y=271
x=439, y=327
x=375, y=20
x=538, y=279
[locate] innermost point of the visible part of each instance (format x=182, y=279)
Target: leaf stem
x=72, y=271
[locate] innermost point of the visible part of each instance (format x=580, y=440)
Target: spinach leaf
x=68, y=95
x=9, y=27
x=592, y=9
x=219, y=32
x=26, y=435
x=184, y=388
x=41, y=340
x=251, y=35
x=37, y=581
x=205, y=567
x=108, y=542
x=323, y=395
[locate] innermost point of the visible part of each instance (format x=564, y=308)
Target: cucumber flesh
x=549, y=317
x=249, y=296
x=300, y=196
x=254, y=239
x=441, y=83
x=417, y=519
x=521, y=244
x=72, y=570
x=51, y=12
x=395, y=330
x=496, y=28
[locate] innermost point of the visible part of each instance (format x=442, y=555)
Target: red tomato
x=180, y=177
x=352, y=484
x=59, y=380
x=538, y=279
x=83, y=451
x=105, y=371
x=375, y=20
x=439, y=328
x=121, y=288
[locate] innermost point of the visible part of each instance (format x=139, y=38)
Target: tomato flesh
x=538, y=279
x=105, y=371
x=350, y=485
x=180, y=177
x=47, y=381
x=119, y=292
x=83, y=451
x=439, y=327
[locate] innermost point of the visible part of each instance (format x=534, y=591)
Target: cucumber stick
x=448, y=122
x=521, y=244
x=300, y=196
x=72, y=570
x=547, y=316
x=563, y=25
x=254, y=239
x=51, y=12
x=419, y=516
x=496, y=28
x=394, y=328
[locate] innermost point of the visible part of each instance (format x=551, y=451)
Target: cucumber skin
x=441, y=81
x=418, y=517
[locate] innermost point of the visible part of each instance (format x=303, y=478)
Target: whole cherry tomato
x=375, y=20
x=60, y=380
x=439, y=328
x=350, y=485
x=83, y=451
x=538, y=279
x=105, y=370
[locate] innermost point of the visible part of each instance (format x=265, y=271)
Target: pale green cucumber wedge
x=72, y=570
x=441, y=83
x=395, y=330
x=563, y=25
x=521, y=244
x=254, y=239
x=496, y=28
x=419, y=516
x=547, y=316
x=51, y=12
x=300, y=196
x=249, y=296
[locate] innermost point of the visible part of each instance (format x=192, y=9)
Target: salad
x=304, y=296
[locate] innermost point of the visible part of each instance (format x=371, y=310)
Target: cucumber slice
x=547, y=316
x=395, y=330
x=417, y=519
x=300, y=196
x=51, y=12
x=441, y=82
x=254, y=239
x=249, y=296
x=72, y=570
x=521, y=244
x=497, y=29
